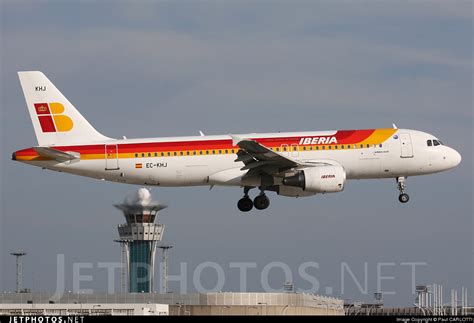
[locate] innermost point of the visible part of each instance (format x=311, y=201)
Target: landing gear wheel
x=245, y=204
x=403, y=198
x=261, y=202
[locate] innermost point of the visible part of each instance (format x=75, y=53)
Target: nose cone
x=454, y=158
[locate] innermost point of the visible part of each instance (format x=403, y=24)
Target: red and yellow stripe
x=210, y=147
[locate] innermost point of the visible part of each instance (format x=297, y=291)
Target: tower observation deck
x=139, y=237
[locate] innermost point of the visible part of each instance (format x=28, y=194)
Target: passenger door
x=406, y=145
x=111, y=157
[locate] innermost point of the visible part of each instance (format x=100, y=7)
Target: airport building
x=184, y=304
x=21, y=309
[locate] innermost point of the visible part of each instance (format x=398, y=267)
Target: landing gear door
x=406, y=145
x=111, y=157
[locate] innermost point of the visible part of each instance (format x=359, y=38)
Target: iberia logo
x=51, y=117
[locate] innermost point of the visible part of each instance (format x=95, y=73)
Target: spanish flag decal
x=138, y=165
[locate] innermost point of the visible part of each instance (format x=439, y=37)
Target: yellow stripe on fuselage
x=378, y=136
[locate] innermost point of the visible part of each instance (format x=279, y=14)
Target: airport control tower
x=139, y=237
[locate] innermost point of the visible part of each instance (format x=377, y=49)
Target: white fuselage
x=403, y=153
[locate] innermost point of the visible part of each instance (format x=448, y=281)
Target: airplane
x=293, y=164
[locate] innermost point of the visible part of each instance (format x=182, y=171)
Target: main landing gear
x=261, y=202
x=403, y=197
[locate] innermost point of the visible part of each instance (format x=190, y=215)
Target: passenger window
x=342, y=146
x=149, y=154
x=200, y=152
x=323, y=147
x=175, y=153
x=361, y=146
x=136, y=155
x=329, y=147
x=310, y=147
x=213, y=152
x=278, y=149
x=187, y=153
x=220, y=152
x=380, y=145
x=368, y=146
x=317, y=148
x=284, y=148
x=294, y=148
x=156, y=154
x=226, y=151
x=304, y=148
x=335, y=147
x=194, y=152
x=162, y=154
x=181, y=153
x=429, y=143
x=143, y=155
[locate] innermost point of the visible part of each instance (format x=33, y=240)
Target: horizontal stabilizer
x=55, y=154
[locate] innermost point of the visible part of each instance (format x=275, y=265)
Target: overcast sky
x=146, y=69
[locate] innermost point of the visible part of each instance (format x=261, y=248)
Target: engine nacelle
x=292, y=191
x=324, y=179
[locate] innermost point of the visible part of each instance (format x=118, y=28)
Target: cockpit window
x=428, y=142
x=436, y=143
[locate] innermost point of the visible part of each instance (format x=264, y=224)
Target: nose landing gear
x=403, y=197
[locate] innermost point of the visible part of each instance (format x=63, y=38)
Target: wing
x=55, y=154
x=259, y=159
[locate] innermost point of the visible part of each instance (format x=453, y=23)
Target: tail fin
x=55, y=120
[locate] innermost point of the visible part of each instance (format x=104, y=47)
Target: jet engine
x=320, y=179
